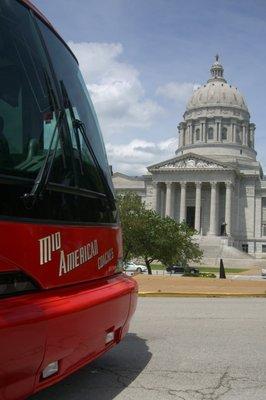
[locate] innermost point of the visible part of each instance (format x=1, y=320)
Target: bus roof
x=39, y=14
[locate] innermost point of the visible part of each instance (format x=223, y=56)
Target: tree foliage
x=149, y=236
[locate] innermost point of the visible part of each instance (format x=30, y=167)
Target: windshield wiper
x=80, y=127
x=43, y=175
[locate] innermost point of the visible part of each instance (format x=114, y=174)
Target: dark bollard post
x=222, y=270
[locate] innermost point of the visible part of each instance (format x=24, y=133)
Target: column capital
x=198, y=184
x=229, y=184
x=168, y=184
x=183, y=184
x=213, y=184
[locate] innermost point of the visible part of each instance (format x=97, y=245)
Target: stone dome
x=216, y=122
x=217, y=92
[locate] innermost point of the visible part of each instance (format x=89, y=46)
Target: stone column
x=198, y=206
x=246, y=135
x=181, y=131
x=258, y=216
x=162, y=202
x=188, y=134
x=180, y=138
x=252, y=128
x=203, y=130
x=191, y=133
x=183, y=202
x=244, y=138
x=234, y=133
x=231, y=139
x=168, y=201
x=213, y=209
x=228, y=207
x=156, y=197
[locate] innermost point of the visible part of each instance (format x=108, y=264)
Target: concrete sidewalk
x=204, y=287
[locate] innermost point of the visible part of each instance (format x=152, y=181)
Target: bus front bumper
x=66, y=327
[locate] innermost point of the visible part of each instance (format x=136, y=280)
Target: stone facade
x=214, y=182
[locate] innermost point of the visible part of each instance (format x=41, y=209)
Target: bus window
x=29, y=121
x=68, y=73
x=27, y=111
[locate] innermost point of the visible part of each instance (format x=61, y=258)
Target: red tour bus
x=64, y=300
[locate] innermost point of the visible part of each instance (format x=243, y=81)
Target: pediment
x=189, y=162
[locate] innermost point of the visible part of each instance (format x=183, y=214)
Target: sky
x=142, y=59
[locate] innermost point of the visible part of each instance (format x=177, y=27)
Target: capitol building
x=214, y=181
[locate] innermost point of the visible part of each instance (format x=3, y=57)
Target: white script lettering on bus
x=73, y=259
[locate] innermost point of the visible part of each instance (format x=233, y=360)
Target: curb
x=199, y=294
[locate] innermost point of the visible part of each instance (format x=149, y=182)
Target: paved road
x=189, y=349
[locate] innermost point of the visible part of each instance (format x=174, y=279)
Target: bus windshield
x=32, y=75
x=27, y=110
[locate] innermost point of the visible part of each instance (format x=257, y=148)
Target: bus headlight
x=12, y=283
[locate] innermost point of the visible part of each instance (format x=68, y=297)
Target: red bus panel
x=58, y=255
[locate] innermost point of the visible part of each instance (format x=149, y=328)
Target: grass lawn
x=157, y=266
x=205, y=269
x=227, y=270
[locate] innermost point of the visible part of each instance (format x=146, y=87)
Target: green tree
x=149, y=236
x=130, y=209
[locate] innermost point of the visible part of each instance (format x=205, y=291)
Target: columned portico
x=204, y=205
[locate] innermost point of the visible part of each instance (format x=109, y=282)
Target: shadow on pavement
x=106, y=377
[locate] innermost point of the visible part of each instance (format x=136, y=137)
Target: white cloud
x=116, y=90
x=180, y=92
x=121, y=104
x=134, y=157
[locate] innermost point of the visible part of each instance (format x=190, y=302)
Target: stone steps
x=216, y=247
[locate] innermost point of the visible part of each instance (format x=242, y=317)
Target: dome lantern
x=217, y=71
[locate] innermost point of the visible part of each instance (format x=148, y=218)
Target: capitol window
x=210, y=133
x=197, y=134
x=224, y=133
